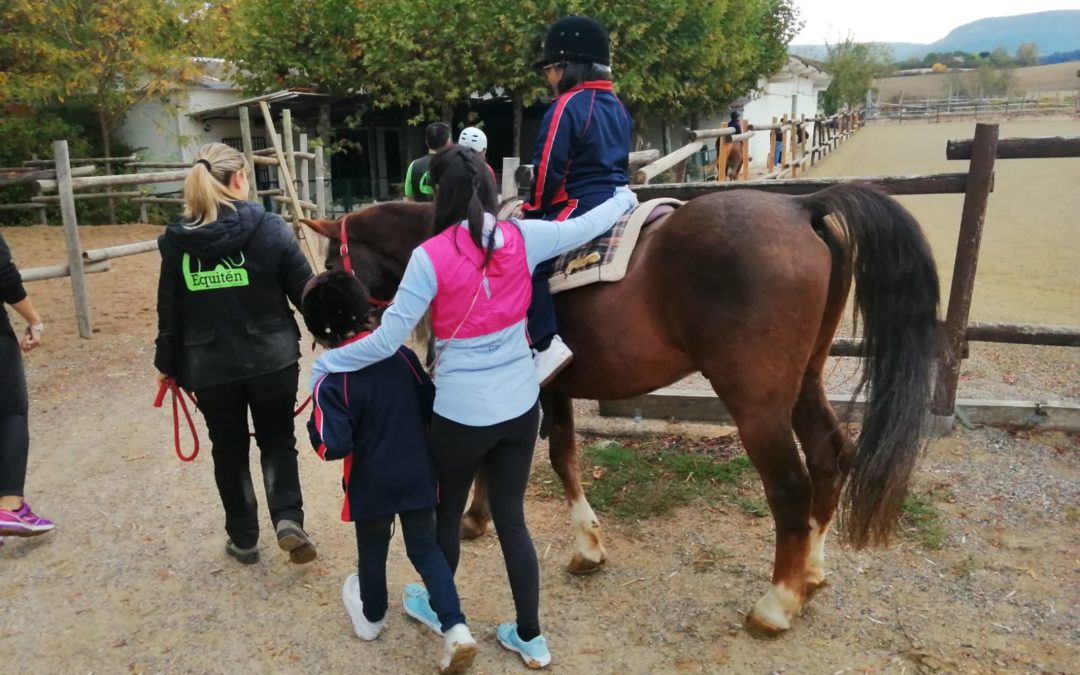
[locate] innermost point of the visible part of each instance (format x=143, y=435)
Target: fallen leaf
x=598, y=472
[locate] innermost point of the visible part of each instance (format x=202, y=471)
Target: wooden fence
x=938, y=109
x=64, y=179
x=799, y=147
x=956, y=331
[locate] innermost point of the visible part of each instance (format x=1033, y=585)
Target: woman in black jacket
x=225, y=331
x=16, y=517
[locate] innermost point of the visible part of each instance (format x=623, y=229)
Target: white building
x=793, y=92
x=164, y=131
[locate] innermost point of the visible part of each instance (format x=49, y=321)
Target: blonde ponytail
x=206, y=185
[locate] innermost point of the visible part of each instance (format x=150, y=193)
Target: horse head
x=379, y=240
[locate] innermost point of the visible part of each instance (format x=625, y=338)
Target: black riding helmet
x=575, y=38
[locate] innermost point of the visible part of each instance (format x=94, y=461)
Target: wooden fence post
x=249, y=150
x=320, y=184
x=290, y=153
x=745, y=169
x=305, y=186
x=979, y=181
x=509, y=171
x=71, y=237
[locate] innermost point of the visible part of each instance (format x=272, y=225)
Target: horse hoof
x=580, y=565
x=472, y=529
x=760, y=628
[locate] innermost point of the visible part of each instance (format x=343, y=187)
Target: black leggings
x=271, y=399
x=14, y=426
x=505, y=451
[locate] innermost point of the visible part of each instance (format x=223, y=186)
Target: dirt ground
x=135, y=580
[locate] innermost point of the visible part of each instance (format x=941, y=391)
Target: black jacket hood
x=223, y=237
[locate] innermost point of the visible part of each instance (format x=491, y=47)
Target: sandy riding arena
x=984, y=578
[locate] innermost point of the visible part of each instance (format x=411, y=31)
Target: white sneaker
x=552, y=360
x=459, y=652
x=354, y=607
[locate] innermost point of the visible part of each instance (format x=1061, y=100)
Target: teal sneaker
x=534, y=653
x=417, y=603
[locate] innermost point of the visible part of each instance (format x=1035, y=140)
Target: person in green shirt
x=418, y=187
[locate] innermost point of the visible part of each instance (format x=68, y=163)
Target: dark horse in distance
x=748, y=288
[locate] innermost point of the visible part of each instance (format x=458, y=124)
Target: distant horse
x=748, y=288
x=734, y=160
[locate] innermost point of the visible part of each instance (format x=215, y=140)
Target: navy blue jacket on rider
x=582, y=152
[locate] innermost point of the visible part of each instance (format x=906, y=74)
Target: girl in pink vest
x=475, y=274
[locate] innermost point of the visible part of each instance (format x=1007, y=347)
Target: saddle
x=606, y=258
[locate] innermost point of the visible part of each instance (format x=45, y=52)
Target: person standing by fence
x=16, y=517
x=225, y=330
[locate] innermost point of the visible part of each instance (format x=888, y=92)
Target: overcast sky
x=908, y=21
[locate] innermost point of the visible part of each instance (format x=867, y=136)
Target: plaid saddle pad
x=607, y=257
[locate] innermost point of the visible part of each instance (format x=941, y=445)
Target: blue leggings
x=418, y=528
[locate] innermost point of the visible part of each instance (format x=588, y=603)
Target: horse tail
x=896, y=296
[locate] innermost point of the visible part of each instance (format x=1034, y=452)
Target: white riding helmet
x=471, y=137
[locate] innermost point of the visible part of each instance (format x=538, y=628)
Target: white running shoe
x=552, y=360
x=460, y=650
x=354, y=607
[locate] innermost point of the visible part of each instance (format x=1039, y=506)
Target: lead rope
x=178, y=403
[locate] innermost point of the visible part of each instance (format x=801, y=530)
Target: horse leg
x=767, y=436
x=589, y=553
x=828, y=452
x=476, y=520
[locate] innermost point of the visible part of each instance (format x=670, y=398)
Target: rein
x=346, y=262
x=169, y=385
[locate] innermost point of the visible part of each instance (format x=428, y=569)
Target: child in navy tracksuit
x=582, y=155
x=376, y=420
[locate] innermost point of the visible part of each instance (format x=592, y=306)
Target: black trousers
x=373, y=545
x=14, y=425
x=505, y=451
x=271, y=399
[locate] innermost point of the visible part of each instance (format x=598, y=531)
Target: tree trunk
x=519, y=114
x=106, y=146
x=448, y=114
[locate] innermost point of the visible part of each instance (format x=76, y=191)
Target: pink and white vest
x=505, y=287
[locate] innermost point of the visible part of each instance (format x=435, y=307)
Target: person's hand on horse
x=31, y=339
x=160, y=377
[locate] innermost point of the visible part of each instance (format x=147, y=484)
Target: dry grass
x=1058, y=77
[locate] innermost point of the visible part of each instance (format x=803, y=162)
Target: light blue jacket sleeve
x=415, y=293
x=546, y=239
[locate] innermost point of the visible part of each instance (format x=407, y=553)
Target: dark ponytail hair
x=464, y=190
x=576, y=72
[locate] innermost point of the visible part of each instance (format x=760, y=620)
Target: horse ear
x=327, y=228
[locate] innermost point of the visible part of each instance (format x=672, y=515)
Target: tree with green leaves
x=853, y=66
x=1027, y=54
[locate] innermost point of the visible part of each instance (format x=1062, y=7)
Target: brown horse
x=748, y=288
x=734, y=160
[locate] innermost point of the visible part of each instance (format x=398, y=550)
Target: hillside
x=1057, y=31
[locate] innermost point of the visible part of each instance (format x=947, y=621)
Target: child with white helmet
x=476, y=139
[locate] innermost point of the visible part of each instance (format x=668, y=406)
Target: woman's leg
x=418, y=529
x=508, y=465
x=225, y=410
x=14, y=427
x=372, y=545
x=456, y=452
x=272, y=398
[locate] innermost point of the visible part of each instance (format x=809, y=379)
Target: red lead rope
x=169, y=384
x=346, y=262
